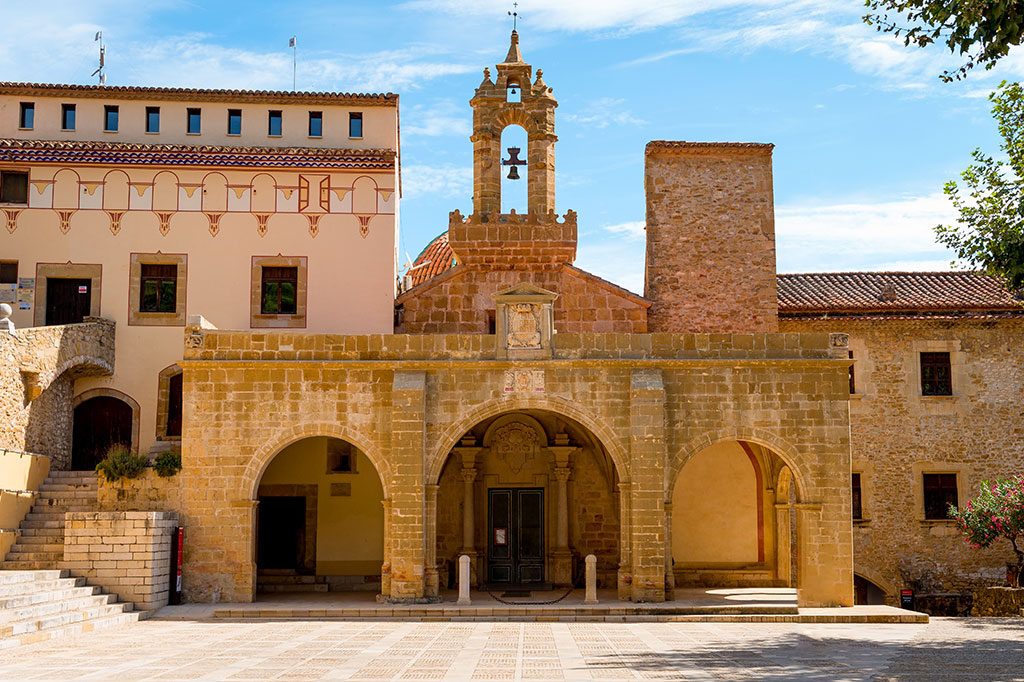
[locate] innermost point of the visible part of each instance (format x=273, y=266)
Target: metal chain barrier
x=531, y=603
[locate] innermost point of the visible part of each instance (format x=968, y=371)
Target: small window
x=110, y=118
x=492, y=323
x=316, y=124
x=936, y=376
x=9, y=272
x=152, y=119
x=13, y=187
x=857, y=509
x=279, y=288
x=158, y=288
x=853, y=386
x=274, y=124
x=67, y=116
x=355, y=124
x=234, y=121
x=939, y=493
x=27, y=117
x=341, y=457
x=195, y=121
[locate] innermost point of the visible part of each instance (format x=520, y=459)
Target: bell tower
x=495, y=107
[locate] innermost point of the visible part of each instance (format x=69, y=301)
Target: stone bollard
x=463, y=581
x=591, y=595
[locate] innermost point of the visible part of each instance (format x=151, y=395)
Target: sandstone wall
x=897, y=435
x=710, y=238
x=37, y=374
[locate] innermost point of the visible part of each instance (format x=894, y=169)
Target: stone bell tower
x=493, y=112
x=488, y=239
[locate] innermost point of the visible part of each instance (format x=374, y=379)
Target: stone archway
x=102, y=418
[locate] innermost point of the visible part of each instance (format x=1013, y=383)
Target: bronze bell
x=513, y=173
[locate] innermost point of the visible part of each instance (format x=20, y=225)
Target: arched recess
x=515, y=176
x=66, y=189
x=320, y=518
x=215, y=193
x=364, y=196
x=884, y=591
x=102, y=417
x=527, y=491
x=169, y=403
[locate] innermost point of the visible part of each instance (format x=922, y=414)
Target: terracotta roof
x=197, y=94
x=895, y=294
x=436, y=258
x=131, y=154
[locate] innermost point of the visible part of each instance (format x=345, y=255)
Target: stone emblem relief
x=523, y=325
x=524, y=380
x=515, y=444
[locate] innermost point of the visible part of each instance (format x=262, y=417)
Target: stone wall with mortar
x=38, y=368
x=125, y=553
x=458, y=302
x=148, y=492
x=710, y=237
x=897, y=435
x=406, y=401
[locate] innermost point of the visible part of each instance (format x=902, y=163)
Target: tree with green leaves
x=983, y=30
x=997, y=512
x=990, y=232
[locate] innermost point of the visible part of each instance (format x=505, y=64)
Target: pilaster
x=648, y=461
x=408, y=428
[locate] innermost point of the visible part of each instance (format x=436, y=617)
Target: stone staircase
x=40, y=543
x=36, y=606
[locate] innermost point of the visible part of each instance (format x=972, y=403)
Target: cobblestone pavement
x=945, y=649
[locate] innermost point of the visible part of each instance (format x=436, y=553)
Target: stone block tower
x=710, y=264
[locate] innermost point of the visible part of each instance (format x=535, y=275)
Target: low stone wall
x=998, y=601
x=125, y=553
x=149, y=492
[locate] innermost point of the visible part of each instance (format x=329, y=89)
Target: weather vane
x=514, y=14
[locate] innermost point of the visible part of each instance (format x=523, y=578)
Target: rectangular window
x=9, y=272
x=67, y=116
x=857, y=509
x=274, y=124
x=936, y=376
x=234, y=121
x=152, y=119
x=27, y=117
x=110, y=118
x=279, y=288
x=13, y=187
x=355, y=124
x=853, y=386
x=939, y=493
x=195, y=121
x=316, y=124
x=158, y=288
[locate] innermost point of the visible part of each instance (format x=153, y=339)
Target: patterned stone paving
x=972, y=650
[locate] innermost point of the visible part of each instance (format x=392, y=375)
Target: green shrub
x=168, y=463
x=121, y=463
x=996, y=513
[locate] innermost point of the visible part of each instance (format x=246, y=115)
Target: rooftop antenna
x=103, y=50
x=291, y=44
x=514, y=14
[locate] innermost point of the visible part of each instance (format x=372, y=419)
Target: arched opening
x=515, y=170
x=101, y=419
x=528, y=495
x=724, y=526
x=169, y=403
x=320, y=519
x=867, y=592
x=513, y=93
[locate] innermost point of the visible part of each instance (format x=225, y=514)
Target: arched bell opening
x=528, y=495
x=515, y=169
x=731, y=520
x=319, y=520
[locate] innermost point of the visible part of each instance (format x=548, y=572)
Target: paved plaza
x=945, y=649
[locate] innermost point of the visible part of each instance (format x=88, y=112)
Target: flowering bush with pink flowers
x=997, y=512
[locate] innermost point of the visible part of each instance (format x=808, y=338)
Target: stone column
x=408, y=427
x=783, y=545
x=468, y=453
x=431, y=586
x=648, y=461
x=385, y=568
x=625, y=575
x=562, y=557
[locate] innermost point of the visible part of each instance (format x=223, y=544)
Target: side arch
x=875, y=577
x=261, y=459
x=449, y=436
x=785, y=451
x=119, y=395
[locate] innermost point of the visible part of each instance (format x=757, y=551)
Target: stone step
x=47, y=609
x=58, y=594
x=33, y=586
x=45, y=532
x=14, y=577
x=299, y=587
x=10, y=564
x=56, y=620
x=45, y=495
x=51, y=557
x=84, y=474
x=53, y=542
x=91, y=625
x=47, y=523
x=62, y=506
x=287, y=579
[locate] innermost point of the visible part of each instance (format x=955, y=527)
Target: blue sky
x=865, y=132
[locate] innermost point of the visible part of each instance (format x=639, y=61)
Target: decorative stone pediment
x=524, y=322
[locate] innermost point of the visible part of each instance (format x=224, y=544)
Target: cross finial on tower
x=514, y=14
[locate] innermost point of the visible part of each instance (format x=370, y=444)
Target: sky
x=865, y=133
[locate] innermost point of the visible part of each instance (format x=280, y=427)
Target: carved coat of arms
x=515, y=444
x=523, y=325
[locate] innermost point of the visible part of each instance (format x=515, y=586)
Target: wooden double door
x=515, y=545
x=68, y=300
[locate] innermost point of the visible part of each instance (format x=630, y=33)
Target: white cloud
x=620, y=261
x=444, y=117
x=438, y=181
x=631, y=230
x=603, y=112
